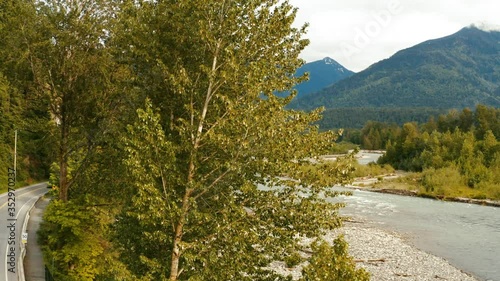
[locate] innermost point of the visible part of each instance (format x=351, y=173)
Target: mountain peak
x=328, y=60
x=322, y=73
x=487, y=27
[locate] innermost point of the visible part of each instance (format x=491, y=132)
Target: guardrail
x=20, y=272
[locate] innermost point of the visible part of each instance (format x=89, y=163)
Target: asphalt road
x=13, y=209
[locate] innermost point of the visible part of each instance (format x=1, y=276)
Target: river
x=466, y=235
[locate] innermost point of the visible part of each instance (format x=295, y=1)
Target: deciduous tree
x=73, y=68
x=218, y=166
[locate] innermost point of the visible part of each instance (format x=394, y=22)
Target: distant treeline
x=357, y=117
x=458, y=153
x=375, y=134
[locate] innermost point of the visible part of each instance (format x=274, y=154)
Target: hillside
x=457, y=71
x=356, y=117
x=322, y=73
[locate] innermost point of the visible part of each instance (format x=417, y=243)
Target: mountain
x=322, y=73
x=456, y=71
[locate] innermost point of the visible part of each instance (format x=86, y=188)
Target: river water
x=466, y=235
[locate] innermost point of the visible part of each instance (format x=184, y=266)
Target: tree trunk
x=176, y=251
x=63, y=181
x=179, y=229
x=63, y=162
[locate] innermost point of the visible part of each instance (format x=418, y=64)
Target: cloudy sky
x=358, y=33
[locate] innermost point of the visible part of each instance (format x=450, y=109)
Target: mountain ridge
x=456, y=71
x=322, y=73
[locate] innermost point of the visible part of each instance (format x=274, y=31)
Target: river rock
x=387, y=256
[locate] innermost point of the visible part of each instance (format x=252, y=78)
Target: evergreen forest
x=455, y=154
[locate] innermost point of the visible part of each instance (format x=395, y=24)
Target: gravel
x=387, y=256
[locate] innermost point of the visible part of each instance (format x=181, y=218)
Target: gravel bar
x=387, y=256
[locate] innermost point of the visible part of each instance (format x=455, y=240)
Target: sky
x=358, y=33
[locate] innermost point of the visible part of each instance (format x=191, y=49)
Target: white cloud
x=376, y=29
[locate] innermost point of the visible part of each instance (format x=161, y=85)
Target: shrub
x=332, y=263
x=441, y=181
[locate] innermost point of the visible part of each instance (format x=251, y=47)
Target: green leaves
x=72, y=68
x=211, y=132
x=332, y=263
x=71, y=235
x=150, y=154
x=173, y=152
x=454, y=149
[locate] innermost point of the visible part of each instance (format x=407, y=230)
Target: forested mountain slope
x=457, y=71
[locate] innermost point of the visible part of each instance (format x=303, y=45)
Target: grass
x=344, y=148
x=372, y=170
x=20, y=184
x=442, y=183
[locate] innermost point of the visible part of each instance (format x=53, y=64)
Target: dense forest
x=25, y=113
x=357, y=117
x=148, y=118
x=454, y=152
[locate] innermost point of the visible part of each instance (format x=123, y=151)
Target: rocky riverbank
x=388, y=256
